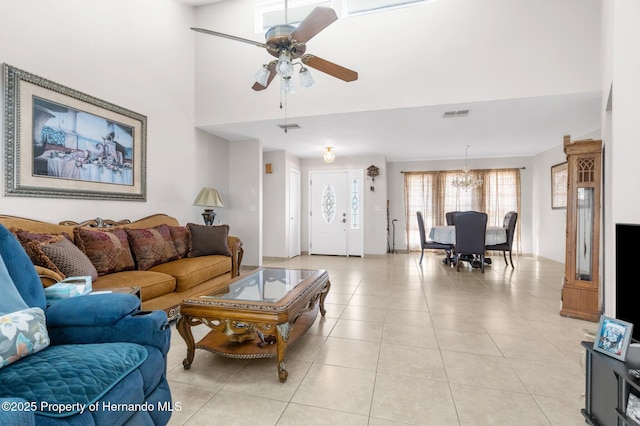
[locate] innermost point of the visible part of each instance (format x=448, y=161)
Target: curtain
x=433, y=194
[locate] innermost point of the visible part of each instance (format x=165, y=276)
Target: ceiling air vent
x=459, y=113
x=287, y=127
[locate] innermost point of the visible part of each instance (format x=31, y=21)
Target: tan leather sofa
x=163, y=286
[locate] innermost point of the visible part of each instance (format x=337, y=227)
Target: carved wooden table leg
x=323, y=296
x=281, y=341
x=184, y=328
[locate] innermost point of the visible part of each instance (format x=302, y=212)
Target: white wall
x=396, y=191
x=374, y=206
x=549, y=225
x=622, y=174
x=246, y=201
x=276, y=197
x=135, y=54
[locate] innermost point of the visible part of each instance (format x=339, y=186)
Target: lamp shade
x=208, y=197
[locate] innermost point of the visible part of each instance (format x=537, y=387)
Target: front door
x=335, y=218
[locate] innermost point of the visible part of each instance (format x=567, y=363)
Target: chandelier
x=465, y=180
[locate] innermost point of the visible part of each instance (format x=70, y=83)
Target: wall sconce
x=208, y=198
x=268, y=168
x=328, y=155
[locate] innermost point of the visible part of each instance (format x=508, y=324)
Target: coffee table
x=256, y=315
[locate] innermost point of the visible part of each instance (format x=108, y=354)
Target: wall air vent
x=459, y=113
x=287, y=127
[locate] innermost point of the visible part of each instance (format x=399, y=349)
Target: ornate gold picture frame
x=61, y=143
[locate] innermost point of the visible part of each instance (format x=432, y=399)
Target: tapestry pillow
x=22, y=333
x=181, y=240
x=207, y=240
x=69, y=259
x=152, y=246
x=108, y=250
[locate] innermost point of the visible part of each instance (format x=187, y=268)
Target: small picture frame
x=559, y=182
x=613, y=337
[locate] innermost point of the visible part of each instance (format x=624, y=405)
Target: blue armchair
x=105, y=362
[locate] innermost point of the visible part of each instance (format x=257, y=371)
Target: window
x=328, y=204
x=272, y=13
x=354, y=7
x=355, y=204
x=434, y=195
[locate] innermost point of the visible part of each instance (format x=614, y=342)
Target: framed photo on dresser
x=613, y=337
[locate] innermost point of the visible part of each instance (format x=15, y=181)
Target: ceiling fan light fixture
x=328, y=155
x=284, y=67
x=287, y=86
x=262, y=76
x=306, y=80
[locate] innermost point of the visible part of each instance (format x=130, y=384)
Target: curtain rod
x=418, y=171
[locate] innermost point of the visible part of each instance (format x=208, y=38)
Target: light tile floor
x=405, y=344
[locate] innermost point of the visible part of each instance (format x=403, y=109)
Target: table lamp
x=208, y=198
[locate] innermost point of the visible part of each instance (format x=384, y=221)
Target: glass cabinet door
x=584, y=234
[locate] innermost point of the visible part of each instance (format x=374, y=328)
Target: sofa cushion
x=108, y=250
x=152, y=246
x=191, y=271
x=70, y=374
x=152, y=284
x=22, y=333
x=69, y=259
x=206, y=240
x=181, y=240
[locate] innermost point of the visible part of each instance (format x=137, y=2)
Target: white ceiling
x=503, y=128
x=491, y=128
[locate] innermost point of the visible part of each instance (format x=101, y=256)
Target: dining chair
x=471, y=234
x=509, y=225
x=428, y=244
x=450, y=217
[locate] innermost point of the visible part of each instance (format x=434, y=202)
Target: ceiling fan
x=288, y=43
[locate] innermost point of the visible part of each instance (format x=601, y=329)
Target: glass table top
x=265, y=285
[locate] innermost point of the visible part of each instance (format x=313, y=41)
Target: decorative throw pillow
x=40, y=258
x=31, y=242
x=181, y=240
x=69, y=259
x=108, y=250
x=209, y=240
x=22, y=333
x=152, y=246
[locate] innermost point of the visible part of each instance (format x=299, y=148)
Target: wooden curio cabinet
x=581, y=287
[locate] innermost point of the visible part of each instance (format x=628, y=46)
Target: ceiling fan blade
x=217, y=34
x=330, y=68
x=319, y=19
x=272, y=73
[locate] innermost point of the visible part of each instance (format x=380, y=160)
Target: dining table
x=447, y=235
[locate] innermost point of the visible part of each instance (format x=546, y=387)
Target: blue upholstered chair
x=509, y=225
x=428, y=244
x=471, y=229
x=99, y=361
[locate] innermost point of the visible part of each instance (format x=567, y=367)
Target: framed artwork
x=559, y=181
x=61, y=143
x=612, y=337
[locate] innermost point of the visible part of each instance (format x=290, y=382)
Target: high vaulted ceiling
x=500, y=127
